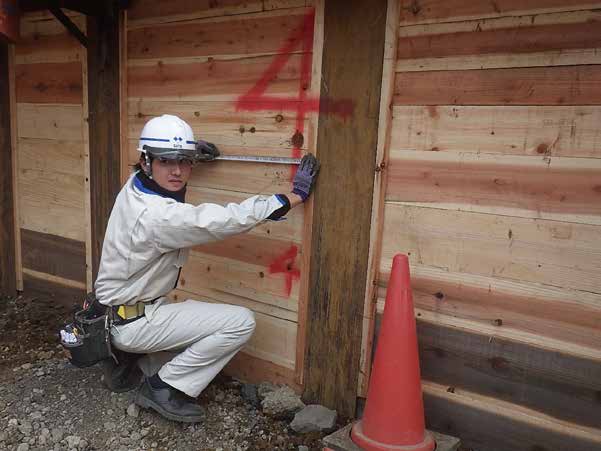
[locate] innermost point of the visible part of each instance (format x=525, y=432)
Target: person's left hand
x=206, y=151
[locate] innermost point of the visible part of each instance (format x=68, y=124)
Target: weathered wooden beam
x=69, y=25
x=81, y=6
x=8, y=274
x=104, y=120
x=84, y=7
x=351, y=72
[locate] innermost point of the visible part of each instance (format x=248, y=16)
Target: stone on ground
x=250, y=394
x=281, y=403
x=264, y=388
x=314, y=418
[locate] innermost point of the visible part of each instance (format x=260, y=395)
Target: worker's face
x=171, y=175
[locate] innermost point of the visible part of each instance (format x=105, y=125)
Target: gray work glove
x=206, y=151
x=305, y=176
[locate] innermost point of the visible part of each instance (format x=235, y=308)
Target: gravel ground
x=47, y=404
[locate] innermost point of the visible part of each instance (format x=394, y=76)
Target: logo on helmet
x=177, y=142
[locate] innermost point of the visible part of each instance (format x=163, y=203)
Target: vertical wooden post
x=8, y=273
x=104, y=120
x=352, y=63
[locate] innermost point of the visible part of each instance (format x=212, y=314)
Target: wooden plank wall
x=51, y=153
x=494, y=191
x=196, y=60
x=8, y=257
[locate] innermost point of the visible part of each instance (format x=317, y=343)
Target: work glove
x=305, y=176
x=206, y=151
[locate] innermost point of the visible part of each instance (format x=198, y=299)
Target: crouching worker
x=146, y=243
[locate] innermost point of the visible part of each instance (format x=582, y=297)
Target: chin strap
x=148, y=168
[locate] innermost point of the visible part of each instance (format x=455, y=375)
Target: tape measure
x=259, y=159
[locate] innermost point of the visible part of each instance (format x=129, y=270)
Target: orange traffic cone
x=394, y=413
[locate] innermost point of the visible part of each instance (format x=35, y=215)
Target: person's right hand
x=305, y=176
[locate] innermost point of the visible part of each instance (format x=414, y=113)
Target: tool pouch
x=87, y=339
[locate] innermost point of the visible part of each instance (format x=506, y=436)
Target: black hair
x=138, y=166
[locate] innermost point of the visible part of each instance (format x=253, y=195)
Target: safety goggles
x=172, y=162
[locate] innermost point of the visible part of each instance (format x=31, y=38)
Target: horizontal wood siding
x=196, y=60
x=493, y=190
x=51, y=153
x=54, y=255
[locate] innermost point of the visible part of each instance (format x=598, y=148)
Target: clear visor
x=171, y=154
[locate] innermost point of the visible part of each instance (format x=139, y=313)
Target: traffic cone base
x=357, y=435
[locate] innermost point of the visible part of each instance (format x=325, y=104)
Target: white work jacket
x=148, y=236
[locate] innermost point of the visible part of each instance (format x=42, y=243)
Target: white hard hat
x=167, y=136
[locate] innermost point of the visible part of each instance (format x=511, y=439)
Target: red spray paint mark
x=256, y=100
x=285, y=264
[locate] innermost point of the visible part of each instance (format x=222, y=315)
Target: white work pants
x=208, y=336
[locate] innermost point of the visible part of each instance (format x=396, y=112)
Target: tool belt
x=129, y=312
x=124, y=314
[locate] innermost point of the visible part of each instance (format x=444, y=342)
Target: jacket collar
x=149, y=186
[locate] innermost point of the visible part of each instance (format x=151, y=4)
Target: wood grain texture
x=52, y=203
x=52, y=122
x=493, y=167
x=66, y=295
x=561, y=85
x=255, y=178
x=103, y=65
x=247, y=248
x=536, y=38
x=269, y=132
x=86, y=173
x=14, y=149
x=123, y=96
x=503, y=60
x=543, y=329
x=255, y=370
x=49, y=83
x=8, y=274
x=54, y=255
x=553, y=383
x=546, y=317
x=525, y=21
x=253, y=281
x=248, y=35
x=568, y=131
x=144, y=12
x=431, y=11
x=210, y=81
x=307, y=231
x=343, y=203
x=43, y=24
x=561, y=188
x=380, y=187
x=203, y=291
x=152, y=11
x=52, y=155
x=550, y=252
x=485, y=423
x=59, y=48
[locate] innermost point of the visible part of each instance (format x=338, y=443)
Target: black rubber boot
x=124, y=376
x=170, y=403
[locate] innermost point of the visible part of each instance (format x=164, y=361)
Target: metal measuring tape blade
x=259, y=159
